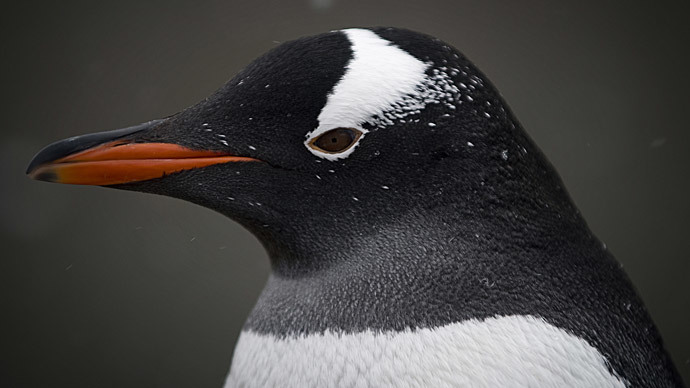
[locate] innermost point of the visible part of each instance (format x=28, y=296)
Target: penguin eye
x=336, y=140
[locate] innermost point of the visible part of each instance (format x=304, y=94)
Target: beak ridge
x=75, y=144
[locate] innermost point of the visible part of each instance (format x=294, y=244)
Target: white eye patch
x=378, y=77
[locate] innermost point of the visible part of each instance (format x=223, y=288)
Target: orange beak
x=118, y=162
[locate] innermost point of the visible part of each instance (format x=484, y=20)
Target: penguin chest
x=503, y=351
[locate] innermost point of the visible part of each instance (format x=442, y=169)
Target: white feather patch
x=378, y=76
x=514, y=351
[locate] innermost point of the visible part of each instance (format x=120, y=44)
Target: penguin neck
x=426, y=269
x=497, y=215
x=448, y=233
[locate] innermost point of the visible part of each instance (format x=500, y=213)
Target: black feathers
x=444, y=214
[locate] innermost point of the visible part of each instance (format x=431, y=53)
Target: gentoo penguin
x=417, y=236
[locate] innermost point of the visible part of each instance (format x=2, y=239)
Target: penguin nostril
x=336, y=140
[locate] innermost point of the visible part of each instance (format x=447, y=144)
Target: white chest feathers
x=511, y=351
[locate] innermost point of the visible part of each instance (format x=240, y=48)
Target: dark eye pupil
x=337, y=139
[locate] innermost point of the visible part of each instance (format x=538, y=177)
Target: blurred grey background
x=104, y=288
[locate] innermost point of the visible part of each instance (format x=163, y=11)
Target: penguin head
x=329, y=135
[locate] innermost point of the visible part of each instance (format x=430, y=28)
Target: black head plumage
x=442, y=209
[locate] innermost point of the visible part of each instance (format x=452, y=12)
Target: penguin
x=417, y=236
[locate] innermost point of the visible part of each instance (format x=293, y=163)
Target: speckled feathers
x=444, y=212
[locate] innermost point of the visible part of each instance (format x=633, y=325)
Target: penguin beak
x=108, y=158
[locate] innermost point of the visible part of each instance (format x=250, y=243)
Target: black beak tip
x=75, y=144
x=52, y=152
x=46, y=176
x=31, y=167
